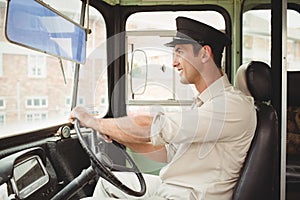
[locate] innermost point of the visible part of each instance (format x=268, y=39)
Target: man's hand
x=84, y=117
x=87, y=120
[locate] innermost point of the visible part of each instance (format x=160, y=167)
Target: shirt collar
x=214, y=89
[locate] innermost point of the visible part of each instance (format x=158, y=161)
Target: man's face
x=187, y=63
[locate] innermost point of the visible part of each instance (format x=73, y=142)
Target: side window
x=293, y=42
x=151, y=79
x=153, y=85
x=257, y=37
x=293, y=98
x=257, y=46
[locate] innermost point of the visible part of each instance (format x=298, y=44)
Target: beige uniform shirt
x=207, y=145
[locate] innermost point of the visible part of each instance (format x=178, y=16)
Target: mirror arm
x=62, y=70
x=75, y=86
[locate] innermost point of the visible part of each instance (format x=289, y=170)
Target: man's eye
x=180, y=52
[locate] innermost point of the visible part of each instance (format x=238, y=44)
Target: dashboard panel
x=29, y=176
x=26, y=175
x=63, y=159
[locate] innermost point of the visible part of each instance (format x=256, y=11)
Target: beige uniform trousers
x=105, y=190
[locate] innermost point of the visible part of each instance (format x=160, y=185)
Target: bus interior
x=108, y=56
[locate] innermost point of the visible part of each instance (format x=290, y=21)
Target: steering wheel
x=104, y=165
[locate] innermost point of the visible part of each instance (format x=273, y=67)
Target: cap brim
x=180, y=40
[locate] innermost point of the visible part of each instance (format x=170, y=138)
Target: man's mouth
x=180, y=70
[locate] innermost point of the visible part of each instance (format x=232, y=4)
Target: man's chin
x=183, y=80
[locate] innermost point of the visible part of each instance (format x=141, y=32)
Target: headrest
x=255, y=79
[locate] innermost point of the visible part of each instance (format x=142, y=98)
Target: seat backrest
x=258, y=175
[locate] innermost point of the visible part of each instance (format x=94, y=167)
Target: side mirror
x=37, y=26
x=138, y=72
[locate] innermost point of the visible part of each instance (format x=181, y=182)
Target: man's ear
x=206, y=53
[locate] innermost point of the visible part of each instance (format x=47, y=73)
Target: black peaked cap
x=190, y=31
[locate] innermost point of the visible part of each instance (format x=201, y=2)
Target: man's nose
x=176, y=61
x=175, y=64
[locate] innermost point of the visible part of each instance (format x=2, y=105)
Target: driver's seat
x=258, y=175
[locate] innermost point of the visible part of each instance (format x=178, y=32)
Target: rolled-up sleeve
x=160, y=125
x=175, y=127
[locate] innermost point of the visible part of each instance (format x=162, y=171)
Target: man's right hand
x=84, y=117
x=87, y=120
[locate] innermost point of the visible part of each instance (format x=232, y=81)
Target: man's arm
x=123, y=130
x=133, y=132
x=126, y=129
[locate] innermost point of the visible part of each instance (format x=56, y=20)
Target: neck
x=208, y=77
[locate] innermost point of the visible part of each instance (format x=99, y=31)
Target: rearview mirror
x=37, y=26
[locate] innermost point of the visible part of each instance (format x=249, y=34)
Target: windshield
x=36, y=89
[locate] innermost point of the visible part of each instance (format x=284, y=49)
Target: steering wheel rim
x=107, y=173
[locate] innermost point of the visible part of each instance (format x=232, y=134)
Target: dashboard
x=24, y=173
x=28, y=176
x=42, y=168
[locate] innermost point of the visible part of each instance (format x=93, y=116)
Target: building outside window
x=80, y=101
x=37, y=66
x=2, y=103
x=35, y=116
x=2, y=119
x=36, y=102
x=1, y=65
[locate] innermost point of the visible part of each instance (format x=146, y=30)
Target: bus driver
x=204, y=147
